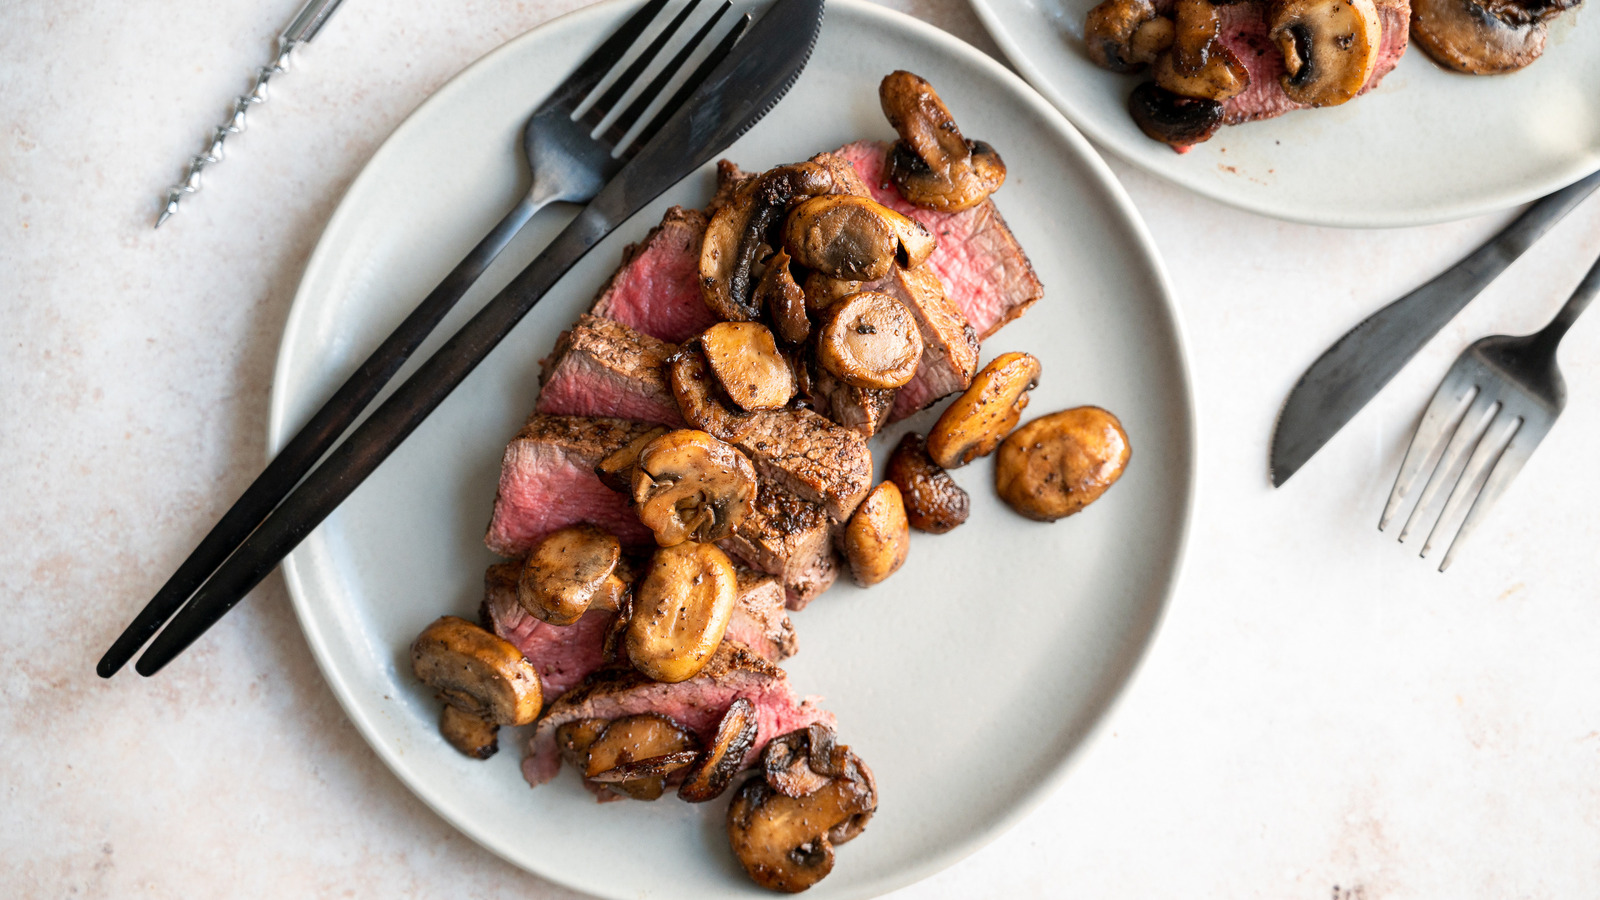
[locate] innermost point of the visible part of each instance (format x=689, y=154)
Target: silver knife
x=737, y=94
x=1357, y=367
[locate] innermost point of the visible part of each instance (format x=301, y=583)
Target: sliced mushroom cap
x=681, y=611
x=701, y=399
x=714, y=770
x=981, y=417
x=786, y=843
x=1056, y=465
x=822, y=291
x=646, y=747
x=1527, y=12
x=570, y=571
x=1109, y=34
x=746, y=361
x=877, y=537
x=853, y=238
x=1463, y=35
x=870, y=340
x=477, y=672
x=1199, y=65
x=934, y=502
x=786, y=765
x=740, y=229
x=1330, y=48
x=689, y=486
x=783, y=300
x=574, y=739
x=469, y=734
x=932, y=165
x=615, y=470
x=1172, y=118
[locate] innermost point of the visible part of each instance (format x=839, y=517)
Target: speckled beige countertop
x=1322, y=715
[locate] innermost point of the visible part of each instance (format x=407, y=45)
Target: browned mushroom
x=1489, y=38
x=981, y=417
x=822, y=292
x=870, y=340
x=877, y=537
x=681, y=611
x=570, y=571
x=1199, y=64
x=746, y=361
x=574, y=739
x=701, y=399
x=646, y=748
x=469, y=734
x=1126, y=35
x=786, y=764
x=932, y=165
x=739, y=230
x=1173, y=119
x=615, y=470
x=848, y=237
x=934, y=502
x=783, y=300
x=477, y=672
x=714, y=770
x=1330, y=48
x=689, y=486
x=1056, y=465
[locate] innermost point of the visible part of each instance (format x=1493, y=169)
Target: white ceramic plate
x=967, y=680
x=1426, y=146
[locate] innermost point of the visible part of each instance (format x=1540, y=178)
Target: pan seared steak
x=789, y=538
x=657, y=288
x=949, y=344
x=602, y=367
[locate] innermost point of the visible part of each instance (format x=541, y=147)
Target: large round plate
x=967, y=680
x=1426, y=146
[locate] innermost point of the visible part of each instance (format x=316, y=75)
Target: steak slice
x=697, y=704
x=547, y=481
x=790, y=539
x=601, y=367
x=983, y=268
x=949, y=344
x=657, y=288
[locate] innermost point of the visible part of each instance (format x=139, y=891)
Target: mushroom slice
x=574, y=738
x=647, y=738
x=569, y=572
x=1111, y=34
x=786, y=764
x=870, y=340
x=1171, y=118
x=739, y=229
x=689, y=486
x=1199, y=65
x=1330, y=48
x=934, y=502
x=877, y=537
x=853, y=238
x=786, y=843
x=471, y=735
x=714, y=770
x=979, y=419
x=784, y=300
x=700, y=397
x=477, y=672
x=932, y=165
x=615, y=471
x=822, y=291
x=1056, y=465
x=746, y=361
x=681, y=611
x=1463, y=35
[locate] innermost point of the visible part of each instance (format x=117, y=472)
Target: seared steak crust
x=789, y=538
x=601, y=367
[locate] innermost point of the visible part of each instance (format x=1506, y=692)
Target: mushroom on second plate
x=853, y=238
x=934, y=502
x=1056, y=465
x=681, y=611
x=1198, y=63
x=746, y=361
x=1466, y=36
x=986, y=412
x=1172, y=118
x=740, y=229
x=1330, y=48
x=1126, y=35
x=634, y=755
x=477, y=672
x=713, y=771
x=689, y=486
x=569, y=572
x=870, y=340
x=932, y=165
x=877, y=538
x=466, y=732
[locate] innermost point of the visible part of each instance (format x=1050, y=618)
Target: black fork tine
x=716, y=56
x=620, y=86
x=590, y=71
x=619, y=127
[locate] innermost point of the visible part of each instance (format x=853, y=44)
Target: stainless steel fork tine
x=630, y=116
x=1478, y=417
x=1484, y=455
x=1441, y=419
x=608, y=100
x=1500, y=477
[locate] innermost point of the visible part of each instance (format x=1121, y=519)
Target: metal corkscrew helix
x=305, y=25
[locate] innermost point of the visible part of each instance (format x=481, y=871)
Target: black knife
x=1357, y=367
x=736, y=95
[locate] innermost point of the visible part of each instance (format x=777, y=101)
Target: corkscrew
x=301, y=29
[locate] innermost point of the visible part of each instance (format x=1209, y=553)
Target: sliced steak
x=979, y=261
x=949, y=344
x=790, y=539
x=604, y=368
x=547, y=481
x=657, y=288
x=697, y=704
x=862, y=410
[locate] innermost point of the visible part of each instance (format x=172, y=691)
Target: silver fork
x=1493, y=408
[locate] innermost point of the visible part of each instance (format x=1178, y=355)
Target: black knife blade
x=1358, y=365
x=737, y=94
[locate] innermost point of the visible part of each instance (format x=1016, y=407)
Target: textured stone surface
x=1321, y=716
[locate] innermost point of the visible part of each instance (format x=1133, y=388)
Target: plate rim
x=1116, y=195
x=1104, y=139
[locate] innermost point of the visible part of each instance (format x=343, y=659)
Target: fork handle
x=316, y=437
x=1569, y=312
